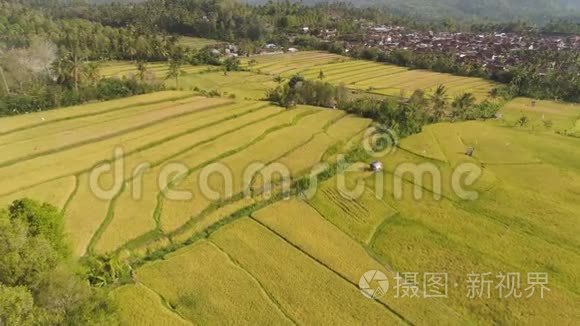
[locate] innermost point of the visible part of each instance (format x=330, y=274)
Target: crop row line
x=160, y=195
x=173, y=99
x=110, y=213
x=101, y=138
x=255, y=279
x=277, y=196
x=100, y=121
x=326, y=266
x=140, y=149
x=165, y=303
x=334, y=197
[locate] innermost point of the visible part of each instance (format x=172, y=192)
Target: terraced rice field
x=250, y=259
x=239, y=84
x=156, y=131
x=366, y=76
x=360, y=76
x=548, y=116
x=157, y=70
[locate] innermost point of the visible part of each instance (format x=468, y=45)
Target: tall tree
x=439, y=103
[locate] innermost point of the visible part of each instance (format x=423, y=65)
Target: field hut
x=469, y=152
x=376, y=166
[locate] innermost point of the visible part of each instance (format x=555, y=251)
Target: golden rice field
x=366, y=76
x=357, y=75
x=238, y=259
x=157, y=70
x=158, y=130
x=563, y=118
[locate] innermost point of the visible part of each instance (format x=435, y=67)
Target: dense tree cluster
x=39, y=285
x=46, y=63
x=404, y=116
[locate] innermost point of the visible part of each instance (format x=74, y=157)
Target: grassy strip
x=110, y=214
x=173, y=99
x=72, y=195
x=297, y=188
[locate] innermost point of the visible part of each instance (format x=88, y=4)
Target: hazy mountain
x=493, y=10
x=537, y=10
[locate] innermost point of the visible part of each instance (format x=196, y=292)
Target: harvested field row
x=158, y=70
x=266, y=149
x=67, y=127
x=11, y=124
x=83, y=158
x=370, y=76
x=302, y=226
x=100, y=131
x=297, y=281
x=140, y=210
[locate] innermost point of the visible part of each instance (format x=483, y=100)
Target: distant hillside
x=536, y=10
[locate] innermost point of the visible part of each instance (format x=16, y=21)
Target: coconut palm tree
x=175, y=71
x=439, y=103
x=462, y=104
x=141, y=69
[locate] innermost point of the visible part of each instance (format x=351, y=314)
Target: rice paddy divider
x=105, y=137
x=160, y=195
x=142, y=148
x=165, y=303
x=72, y=194
x=110, y=212
x=295, y=189
x=326, y=266
x=255, y=279
x=173, y=99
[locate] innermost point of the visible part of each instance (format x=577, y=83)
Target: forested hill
x=535, y=10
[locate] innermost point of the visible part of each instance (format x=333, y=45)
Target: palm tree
x=91, y=72
x=175, y=71
x=462, y=104
x=141, y=69
x=6, y=88
x=494, y=93
x=439, y=102
x=69, y=69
